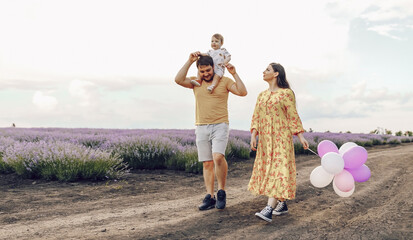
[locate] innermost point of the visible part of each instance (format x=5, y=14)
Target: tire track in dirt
x=172, y=211
x=306, y=217
x=141, y=218
x=360, y=215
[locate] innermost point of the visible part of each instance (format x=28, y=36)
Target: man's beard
x=212, y=78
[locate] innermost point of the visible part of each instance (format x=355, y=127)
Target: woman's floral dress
x=276, y=121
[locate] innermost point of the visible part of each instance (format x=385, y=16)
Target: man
x=212, y=125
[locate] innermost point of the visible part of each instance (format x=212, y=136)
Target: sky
x=112, y=63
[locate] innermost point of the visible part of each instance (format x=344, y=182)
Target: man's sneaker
x=196, y=82
x=265, y=214
x=207, y=203
x=221, y=199
x=281, y=208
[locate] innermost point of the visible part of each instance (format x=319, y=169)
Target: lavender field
x=98, y=154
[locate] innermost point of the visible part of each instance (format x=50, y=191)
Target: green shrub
x=393, y=141
x=186, y=158
x=360, y=143
x=236, y=148
x=4, y=167
x=376, y=142
x=63, y=161
x=146, y=152
x=298, y=148
x=405, y=140
x=368, y=143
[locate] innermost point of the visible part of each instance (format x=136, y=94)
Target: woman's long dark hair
x=282, y=78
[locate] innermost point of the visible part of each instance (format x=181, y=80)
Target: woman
x=275, y=121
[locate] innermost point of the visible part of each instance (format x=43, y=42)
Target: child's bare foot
x=196, y=82
x=211, y=88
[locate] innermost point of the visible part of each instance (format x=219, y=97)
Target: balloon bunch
x=343, y=166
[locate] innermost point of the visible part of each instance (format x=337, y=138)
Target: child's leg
x=214, y=84
x=196, y=81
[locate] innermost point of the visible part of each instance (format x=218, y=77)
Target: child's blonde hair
x=219, y=37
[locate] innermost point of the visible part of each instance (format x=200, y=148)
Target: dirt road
x=163, y=205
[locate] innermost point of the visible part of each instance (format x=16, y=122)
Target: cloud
x=44, y=102
x=387, y=29
x=322, y=75
x=370, y=10
x=22, y=81
x=84, y=91
x=383, y=10
x=362, y=94
x=24, y=84
x=359, y=109
x=359, y=102
x=345, y=11
x=315, y=107
x=387, y=18
x=122, y=83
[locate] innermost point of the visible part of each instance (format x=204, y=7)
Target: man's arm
x=238, y=88
x=181, y=78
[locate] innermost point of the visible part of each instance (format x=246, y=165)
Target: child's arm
x=204, y=54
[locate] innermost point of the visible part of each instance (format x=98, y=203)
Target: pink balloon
x=360, y=174
x=326, y=146
x=355, y=157
x=344, y=181
x=343, y=194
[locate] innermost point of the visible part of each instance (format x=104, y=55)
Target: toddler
x=220, y=56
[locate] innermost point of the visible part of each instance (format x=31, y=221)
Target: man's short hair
x=205, y=61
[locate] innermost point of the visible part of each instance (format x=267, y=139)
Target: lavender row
x=62, y=161
x=104, y=138
x=148, y=149
x=35, y=152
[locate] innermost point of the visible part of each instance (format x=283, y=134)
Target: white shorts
x=211, y=138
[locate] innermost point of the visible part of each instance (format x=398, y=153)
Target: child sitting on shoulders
x=220, y=56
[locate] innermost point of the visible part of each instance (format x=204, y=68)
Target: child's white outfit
x=219, y=57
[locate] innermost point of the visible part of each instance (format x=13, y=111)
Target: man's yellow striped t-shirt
x=212, y=108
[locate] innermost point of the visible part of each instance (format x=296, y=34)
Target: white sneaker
x=195, y=83
x=211, y=88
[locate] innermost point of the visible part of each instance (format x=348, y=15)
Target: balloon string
x=312, y=151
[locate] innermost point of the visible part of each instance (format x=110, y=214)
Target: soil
x=162, y=204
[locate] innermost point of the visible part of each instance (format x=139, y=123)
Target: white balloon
x=346, y=146
x=341, y=193
x=320, y=178
x=332, y=162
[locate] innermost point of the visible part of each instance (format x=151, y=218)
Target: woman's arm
x=253, y=142
x=303, y=141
